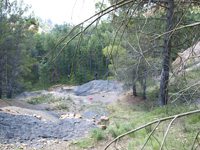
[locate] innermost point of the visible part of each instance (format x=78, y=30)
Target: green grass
x=98, y=134
x=84, y=143
x=48, y=109
x=8, y=99
x=63, y=106
x=58, y=107
x=44, y=98
x=181, y=82
x=123, y=119
x=119, y=129
x=70, y=100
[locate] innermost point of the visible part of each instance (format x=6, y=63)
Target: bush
x=119, y=129
x=84, y=143
x=63, y=106
x=44, y=98
x=97, y=134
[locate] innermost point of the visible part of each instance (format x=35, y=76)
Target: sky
x=60, y=11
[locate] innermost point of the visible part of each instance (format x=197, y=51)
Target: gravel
x=97, y=86
x=24, y=129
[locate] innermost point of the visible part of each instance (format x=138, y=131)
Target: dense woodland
x=25, y=62
x=136, y=45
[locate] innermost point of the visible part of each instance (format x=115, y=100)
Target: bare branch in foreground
x=167, y=132
x=175, y=29
x=196, y=139
x=156, y=121
x=150, y=135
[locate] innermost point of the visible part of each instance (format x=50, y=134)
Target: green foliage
x=63, y=106
x=194, y=119
x=16, y=57
x=183, y=130
x=48, y=109
x=84, y=143
x=44, y=98
x=97, y=134
x=183, y=88
x=44, y=25
x=9, y=99
x=44, y=74
x=119, y=129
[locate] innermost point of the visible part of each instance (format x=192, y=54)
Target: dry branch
x=167, y=131
x=150, y=135
x=156, y=121
x=175, y=29
x=196, y=139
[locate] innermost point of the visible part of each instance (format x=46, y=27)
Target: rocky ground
x=28, y=126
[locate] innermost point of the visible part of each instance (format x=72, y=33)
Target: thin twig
x=150, y=135
x=167, y=132
x=196, y=137
x=186, y=26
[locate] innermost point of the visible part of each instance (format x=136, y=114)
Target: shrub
x=44, y=98
x=63, y=106
x=84, y=143
x=97, y=134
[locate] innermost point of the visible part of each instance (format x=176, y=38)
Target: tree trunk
x=163, y=92
x=9, y=93
x=90, y=63
x=99, y=66
x=144, y=88
x=68, y=66
x=1, y=84
x=59, y=68
x=134, y=90
x=63, y=66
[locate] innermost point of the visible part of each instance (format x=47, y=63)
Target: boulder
x=78, y=116
x=56, y=141
x=62, y=117
x=93, y=120
x=104, y=119
x=71, y=115
x=103, y=127
x=99, y=122
x=39, y=117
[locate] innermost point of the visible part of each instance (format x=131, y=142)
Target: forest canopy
x=132, y=41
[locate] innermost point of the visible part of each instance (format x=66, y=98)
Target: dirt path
x=17, y=103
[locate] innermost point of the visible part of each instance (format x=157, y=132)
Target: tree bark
x=163, y=92
x=90, y=63
x=1, y=78
x=68, y=66
x=134, y=90
x=144, y=88
x=9, y=93
x=59, y=68
x=99, y=65
x=1, y=51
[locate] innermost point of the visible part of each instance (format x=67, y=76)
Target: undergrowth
x=123, y=119
x=44, y=98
